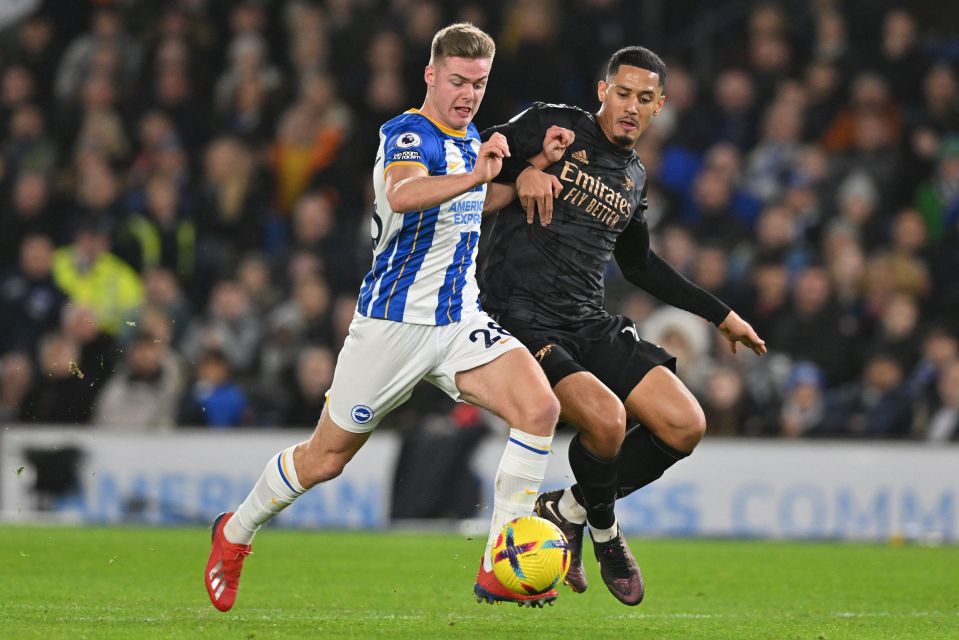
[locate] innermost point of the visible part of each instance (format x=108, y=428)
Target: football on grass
x=531, y=555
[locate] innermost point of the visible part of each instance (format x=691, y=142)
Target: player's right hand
x=736, y=330
x=536, y=191
x=489, y=159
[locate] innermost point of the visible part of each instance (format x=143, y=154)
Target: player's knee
x=331, y=468
x=328, y=469
x=538, y=416
x=320, y=468
x=606, y=430
x=691, y=428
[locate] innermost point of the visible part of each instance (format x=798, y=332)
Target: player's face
x=630, y=97
x=455, y=89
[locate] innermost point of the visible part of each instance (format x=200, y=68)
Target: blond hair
x=461, y=40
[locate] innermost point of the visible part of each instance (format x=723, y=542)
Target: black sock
x=597, y=482
x=643, y=458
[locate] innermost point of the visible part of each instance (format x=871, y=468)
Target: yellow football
x=530, y=556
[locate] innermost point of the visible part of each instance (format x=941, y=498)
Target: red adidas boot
x=222, y=577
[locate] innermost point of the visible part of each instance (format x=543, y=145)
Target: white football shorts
x=382, y=360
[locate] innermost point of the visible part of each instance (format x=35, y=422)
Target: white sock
x=276, y=489
x=604, y=535
x=571, y=509
x=518, y=478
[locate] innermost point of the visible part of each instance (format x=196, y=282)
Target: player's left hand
x=536, y=191
x=556, y=142
x=737, y=330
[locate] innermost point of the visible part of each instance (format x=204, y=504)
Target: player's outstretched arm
x=409, y=187
x=736, y=330
x=641, y=266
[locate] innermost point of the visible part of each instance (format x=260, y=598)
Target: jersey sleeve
x=525, y=133
x=642, y=267
x=411, y=142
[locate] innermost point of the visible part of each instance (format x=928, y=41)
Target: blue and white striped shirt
x=424, y=267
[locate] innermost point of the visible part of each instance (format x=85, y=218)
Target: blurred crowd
x=186, y=199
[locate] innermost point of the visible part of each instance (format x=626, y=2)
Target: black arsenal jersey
x=553, y=275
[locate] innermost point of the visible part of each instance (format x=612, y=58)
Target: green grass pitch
x=146, y=583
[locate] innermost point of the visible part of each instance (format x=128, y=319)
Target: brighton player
x=418, y=317
x=544, y=283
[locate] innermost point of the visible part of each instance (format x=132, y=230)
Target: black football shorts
x=609, y=348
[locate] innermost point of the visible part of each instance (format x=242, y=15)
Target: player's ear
x=429, y=75
x=659, y=105
x=601, y=90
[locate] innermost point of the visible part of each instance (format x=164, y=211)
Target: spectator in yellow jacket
x=92, y=276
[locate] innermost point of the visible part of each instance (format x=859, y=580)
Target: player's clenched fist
x=489, y=160
x=556, y=142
